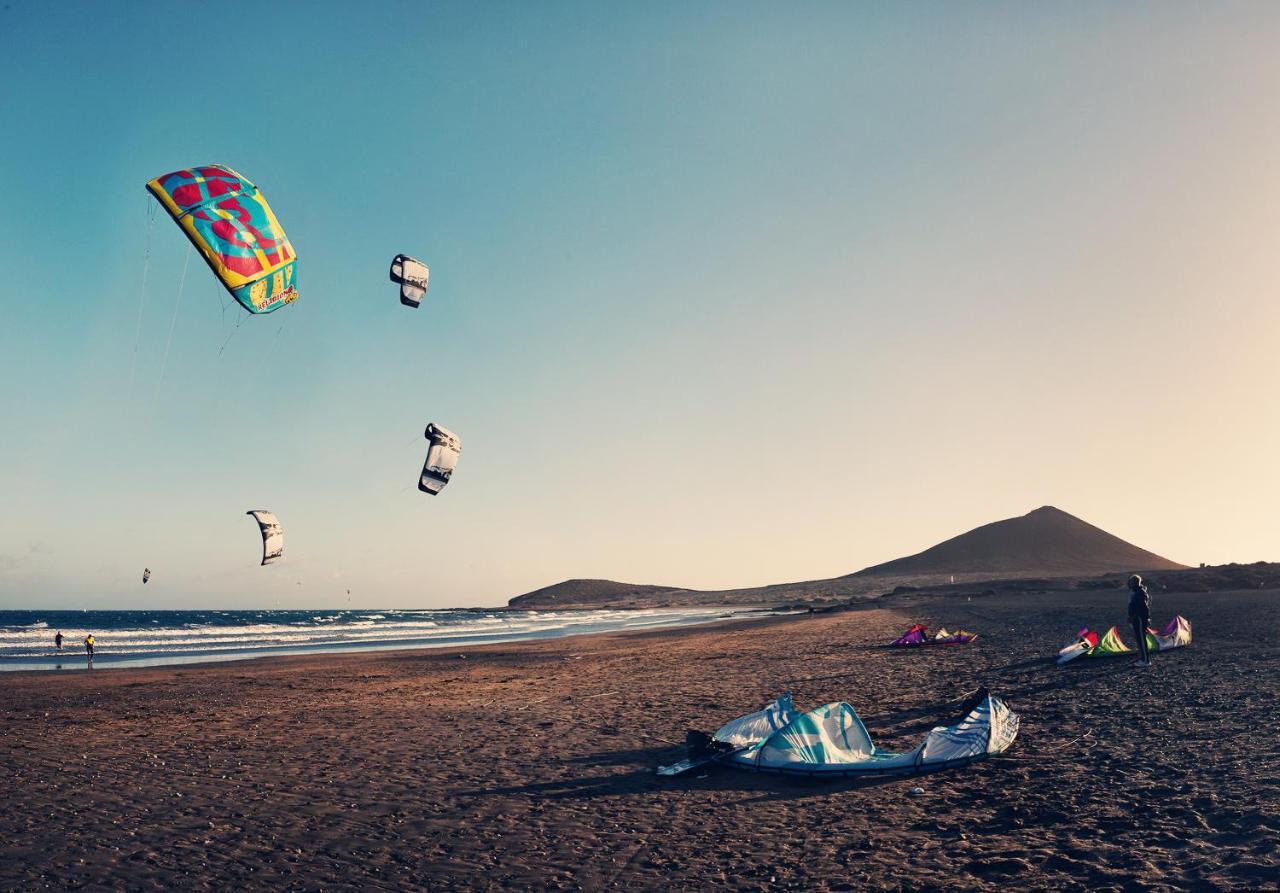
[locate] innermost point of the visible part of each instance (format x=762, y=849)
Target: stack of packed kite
x=919, y=635
x=1089, y=644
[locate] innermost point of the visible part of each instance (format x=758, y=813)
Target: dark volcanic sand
x=531, y=765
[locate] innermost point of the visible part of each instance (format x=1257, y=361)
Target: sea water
x=150, y=638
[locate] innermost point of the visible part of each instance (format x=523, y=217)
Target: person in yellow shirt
x=88, y=645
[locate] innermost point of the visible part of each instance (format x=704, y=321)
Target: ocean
x=151, y=638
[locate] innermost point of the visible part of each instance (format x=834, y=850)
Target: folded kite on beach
x=959, y=637
x=831, y=741
x=1177, y=634
x=919, y=635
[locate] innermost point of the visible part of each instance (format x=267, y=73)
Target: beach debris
x=831, y=741
x=442, y=458
x=413, y=276
x=230, y=223
x=917, y=792
x=1176, y=634
x=919, y=635
x=272, y=535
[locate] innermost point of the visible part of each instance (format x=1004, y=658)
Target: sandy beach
x=530, y=766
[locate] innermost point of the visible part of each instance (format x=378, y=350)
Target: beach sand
x=531, y=765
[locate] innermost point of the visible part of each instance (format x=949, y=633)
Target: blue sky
x=722, y=294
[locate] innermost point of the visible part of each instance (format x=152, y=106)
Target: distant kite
x=413, y=276
x=442, y=458
x=146, y=575
x=230, y=223
x=272, y=535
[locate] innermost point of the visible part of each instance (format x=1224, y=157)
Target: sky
x=722, y=294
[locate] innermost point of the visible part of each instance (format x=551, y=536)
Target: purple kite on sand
x=913, y=636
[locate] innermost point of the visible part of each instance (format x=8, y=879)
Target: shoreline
x=74, y=662
x=361, y=637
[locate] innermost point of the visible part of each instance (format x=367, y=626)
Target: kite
x=832, y=742
x=272, y=535
x=919, y=635
x=229, y=221
x=442, y=458
x=413, y=276
x=959, y=637
x=1177, y=634
x=146, y=574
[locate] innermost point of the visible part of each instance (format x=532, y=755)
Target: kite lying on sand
x=919, y=635
x=1089, y=644
x=831, y=741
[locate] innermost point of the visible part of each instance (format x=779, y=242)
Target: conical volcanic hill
x=1047, y=542
x=1044, y=543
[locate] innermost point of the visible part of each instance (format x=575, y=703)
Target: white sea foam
x=225, y=634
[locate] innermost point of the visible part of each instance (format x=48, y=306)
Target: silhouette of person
x=57, y=640
x=1140, y=616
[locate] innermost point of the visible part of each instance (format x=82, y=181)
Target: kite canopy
x=272, y=535
x=1110, y=645
x=832, y=741
x=913, y=636
x=146, y=574
x=1177, y=634
x=755, y=727
x=959, y=637
x=229, y=221
x=1083, y=644
x=413, y=276
x=442, y=458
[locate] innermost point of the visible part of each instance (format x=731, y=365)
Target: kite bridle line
x=142, y=292
x=173, y=324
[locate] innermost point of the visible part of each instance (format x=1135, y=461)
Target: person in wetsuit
x=1140, y=616
x=57, y=640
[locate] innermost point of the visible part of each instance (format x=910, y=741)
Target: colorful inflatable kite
x=919, y=635
x=914, y=636
x=228, y=220
x=1089, y=644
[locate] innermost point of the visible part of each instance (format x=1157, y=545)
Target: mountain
x=1046, y=543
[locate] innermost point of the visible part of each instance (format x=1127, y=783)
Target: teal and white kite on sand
x=831, y=741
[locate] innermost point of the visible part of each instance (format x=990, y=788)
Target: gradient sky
x=723, y=294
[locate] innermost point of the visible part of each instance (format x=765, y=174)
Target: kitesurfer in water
x=1140, y=616
x=88, y=645
x=57, y=640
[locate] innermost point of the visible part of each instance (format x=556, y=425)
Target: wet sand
x=530, y=765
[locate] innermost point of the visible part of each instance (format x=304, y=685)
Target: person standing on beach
x=88, y=645
x=1140, y=616
x=57, y=640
